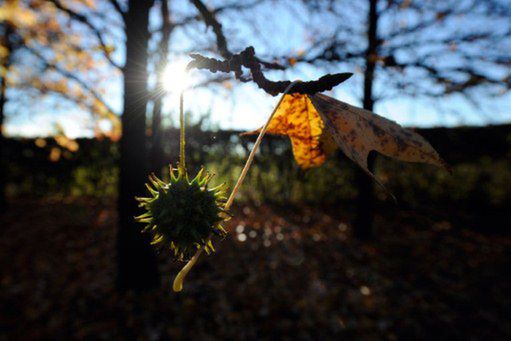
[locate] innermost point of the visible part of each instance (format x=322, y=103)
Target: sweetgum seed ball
x=181, y=214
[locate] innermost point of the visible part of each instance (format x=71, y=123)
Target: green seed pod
x=182, y=214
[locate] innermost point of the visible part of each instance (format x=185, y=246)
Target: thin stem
x=182, y=141
x=251, y=156
x=178, y=281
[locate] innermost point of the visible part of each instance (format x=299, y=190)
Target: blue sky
x=280, y=28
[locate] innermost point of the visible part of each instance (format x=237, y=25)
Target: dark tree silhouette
x=4, y=64
x=161, y=62
x=136, y=260
x=366, y=200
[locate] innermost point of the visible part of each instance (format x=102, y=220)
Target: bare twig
x=83, y=19
x=209, y=17
x=49, y=65
x=247, y=59
x=210, y=20
x=117, y=6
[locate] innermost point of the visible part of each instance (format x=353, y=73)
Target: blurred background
x=88, y=108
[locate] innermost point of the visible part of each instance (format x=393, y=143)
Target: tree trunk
x=3, y=168
x=3, y=100
x=137, y=268
x=156, y=137
x=366, y=200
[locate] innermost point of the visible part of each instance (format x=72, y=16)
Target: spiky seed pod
x=181, y=214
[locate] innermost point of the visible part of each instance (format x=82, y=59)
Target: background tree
x=5, y=55
x=420, y=50
x=68, y=49
x=137, y=265
x=44, y=54
x=161, y=56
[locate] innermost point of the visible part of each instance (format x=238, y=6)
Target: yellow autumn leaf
x=297, y=118
x=16, y=14
x=40, y=142
x=55, y=154
x=67, y=143
x=4, y=52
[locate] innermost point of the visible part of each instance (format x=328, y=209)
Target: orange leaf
x=297, y=118
x=292, y=61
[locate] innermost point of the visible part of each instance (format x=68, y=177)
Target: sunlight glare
x=175, y=77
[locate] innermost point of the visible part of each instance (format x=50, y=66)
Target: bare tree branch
x=247, y=59
x=69, y=75
x=117, y=6
x=83, y=19
x=210, y=20
x=234, y=6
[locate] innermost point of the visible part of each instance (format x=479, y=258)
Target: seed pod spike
x=151, y=190
x=181, y=214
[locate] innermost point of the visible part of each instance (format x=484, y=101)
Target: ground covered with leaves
x=284, y=272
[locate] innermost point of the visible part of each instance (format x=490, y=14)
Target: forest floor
x=283, y=273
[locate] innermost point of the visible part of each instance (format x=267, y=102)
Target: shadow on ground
x=282, y=273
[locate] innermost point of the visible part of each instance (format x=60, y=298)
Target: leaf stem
x=178, y=281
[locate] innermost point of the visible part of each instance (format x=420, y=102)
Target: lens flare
x=175, y=78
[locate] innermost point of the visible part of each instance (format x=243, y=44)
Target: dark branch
x=117, y=6
x=247, y=59
x=69, y=75
x=83, y=19
x=235, y=6
x=210, y=20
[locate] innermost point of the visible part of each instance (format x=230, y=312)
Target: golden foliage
x=16, y=14
x=40, y=142
x=55, y=154
x=73, y=68
x=67, y=143
x=297, y=118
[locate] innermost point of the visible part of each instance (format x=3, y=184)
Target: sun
x=175, y=78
